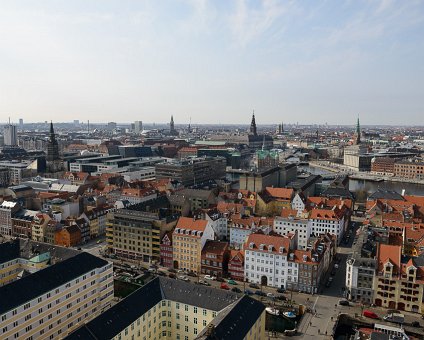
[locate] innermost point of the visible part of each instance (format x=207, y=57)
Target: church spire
x=51, y=127
x=253, y=125
x=358, y=132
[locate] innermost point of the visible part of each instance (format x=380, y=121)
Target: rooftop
x=45, y=280
x=117, y=318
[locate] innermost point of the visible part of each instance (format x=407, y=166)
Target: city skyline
x=213, y=61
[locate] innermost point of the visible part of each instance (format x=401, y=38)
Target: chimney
x=210, y=330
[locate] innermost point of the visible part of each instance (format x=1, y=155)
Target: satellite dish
x=239, y=195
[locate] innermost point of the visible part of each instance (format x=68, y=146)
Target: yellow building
x=135, y=235
x=399, y=281
x=188, y=238
x=52, y=302
x=271, y=201
x=175, y=310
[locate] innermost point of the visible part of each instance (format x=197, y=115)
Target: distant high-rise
x=172, y=130
x=253, y=126
x=10, y=136
x=111, y=126
x=138, y=126
x=21, y=123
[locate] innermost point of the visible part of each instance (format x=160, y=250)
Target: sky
x=311, y=62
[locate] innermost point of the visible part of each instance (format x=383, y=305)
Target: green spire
x=358, y=132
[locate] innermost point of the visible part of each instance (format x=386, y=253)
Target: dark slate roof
x=386, y=194
x=337, y=192
x=30, y=287
x=9, y=251
x=117, y=318
x=196, y=193
x=196, y=295
x=235, y=322
x=20, y=187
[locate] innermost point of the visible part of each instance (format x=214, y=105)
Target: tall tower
x=52, y=158
x=253, y=125
x=10, y=135
x=172, y=126
x=358, y=133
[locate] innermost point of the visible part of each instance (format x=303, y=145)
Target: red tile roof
x=189, y=223
x=280, y=193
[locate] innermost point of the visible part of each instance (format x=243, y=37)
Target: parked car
x=220, y=279
x=281, y=290
x=209, y=277
x=172, y=270
x=395, y=317
x=370, y=314
x=172, y=275
x=232, y=282
x=203, y=282
x=281, y=297
x=415, y=324
x=248, y=292
x=192, y=274
x=236, y=290
x=260, y=293
x=224, y=286
x=183, y=278
x=254, y=285
x=270, y=295
x=344, y=302
x=161, y=273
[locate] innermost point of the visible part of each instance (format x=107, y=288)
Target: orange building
x=68, y=236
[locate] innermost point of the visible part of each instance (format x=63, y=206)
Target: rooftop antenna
x=88, y=126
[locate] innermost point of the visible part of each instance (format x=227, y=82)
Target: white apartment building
x=298, y=203
x=241, y=228
x=294, y=225
x=331, y=221
x=218, y=222
x=267, y=261
x=54, y=301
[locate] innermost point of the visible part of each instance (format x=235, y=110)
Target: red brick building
x=215, y=256
x=166, y=251
x=383, y=165
x=236, y=265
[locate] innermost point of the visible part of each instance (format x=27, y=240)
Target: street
x=325, y=308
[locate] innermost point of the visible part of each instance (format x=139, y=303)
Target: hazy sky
x=215, y=61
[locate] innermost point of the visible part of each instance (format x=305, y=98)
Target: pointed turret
x=358, y=132
x=171, y=125
x=253, y=125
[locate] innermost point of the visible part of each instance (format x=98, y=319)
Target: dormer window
x=261, y=247
x=281, y=250
x=251, y=245
x=270, y=248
